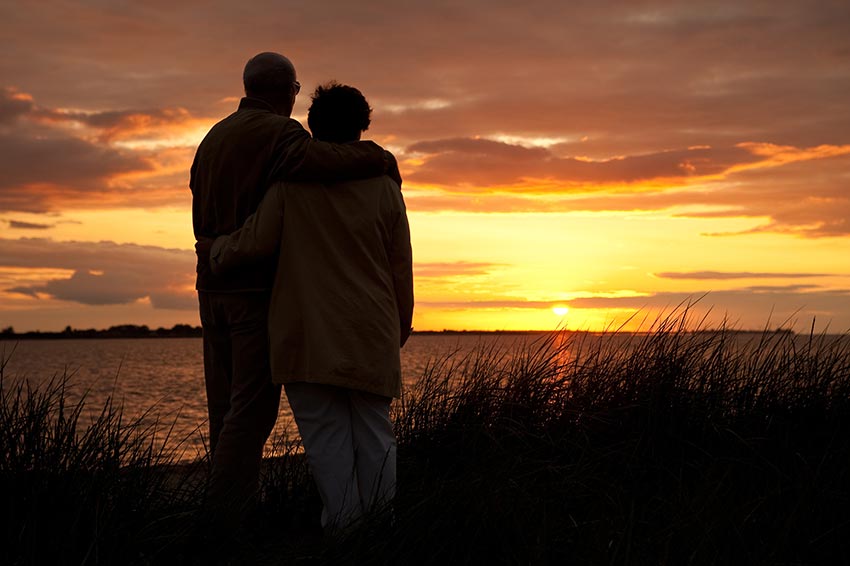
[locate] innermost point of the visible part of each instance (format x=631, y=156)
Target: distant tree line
x=120, y=331
x=188, y=331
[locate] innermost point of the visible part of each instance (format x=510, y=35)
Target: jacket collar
x=255, y=103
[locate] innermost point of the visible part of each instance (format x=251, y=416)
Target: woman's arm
x=401, y=264
x=259, y=236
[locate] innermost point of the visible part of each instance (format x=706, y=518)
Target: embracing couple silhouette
x=304, y=281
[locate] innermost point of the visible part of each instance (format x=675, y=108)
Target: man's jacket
x=238, y=161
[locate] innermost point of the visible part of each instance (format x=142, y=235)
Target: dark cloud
x=750, y=306
x=18, y=225
x=121, y=124
x=105, y=273
x=126, y=118
x=67, y=162
x=48, y=167
x=13, y=104
x=484, y=162
x=472, y=201
x=28, y=291
x=495, y=304
x=781, y=288
x=807, y=198
x=722, y=275
x=453, y=268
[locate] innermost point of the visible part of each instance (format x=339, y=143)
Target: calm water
x=166, y=375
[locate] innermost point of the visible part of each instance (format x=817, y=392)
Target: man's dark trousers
x=242, y=400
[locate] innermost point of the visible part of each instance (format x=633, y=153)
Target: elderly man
x=341, y=307
x=240, y=157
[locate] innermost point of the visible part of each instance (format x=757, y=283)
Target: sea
x=161, y=380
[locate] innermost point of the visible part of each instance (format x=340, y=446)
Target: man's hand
x=392, y=168
x=202, y=248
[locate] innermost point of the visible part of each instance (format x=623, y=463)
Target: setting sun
x=560, y=311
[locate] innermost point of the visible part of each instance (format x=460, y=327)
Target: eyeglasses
x=296, y=86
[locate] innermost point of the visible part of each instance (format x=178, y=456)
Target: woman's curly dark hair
x=339, y=113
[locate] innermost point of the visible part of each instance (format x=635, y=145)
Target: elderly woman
x=341, y=307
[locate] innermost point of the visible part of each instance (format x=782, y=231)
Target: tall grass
x=664, y=447
x=79, y=488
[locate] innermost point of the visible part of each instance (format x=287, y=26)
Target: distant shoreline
x=187, y=331
x=121, y=331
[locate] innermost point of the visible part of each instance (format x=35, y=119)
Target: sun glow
x=560, y=311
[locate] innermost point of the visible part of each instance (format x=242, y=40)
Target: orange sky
x=606, y=158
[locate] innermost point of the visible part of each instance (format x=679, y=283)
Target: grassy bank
x=666, y=447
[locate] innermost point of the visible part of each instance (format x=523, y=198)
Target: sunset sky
x=564, y=163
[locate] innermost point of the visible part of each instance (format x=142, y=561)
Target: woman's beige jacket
x=342, y=301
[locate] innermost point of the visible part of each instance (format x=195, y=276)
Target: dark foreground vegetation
x=663, y=448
